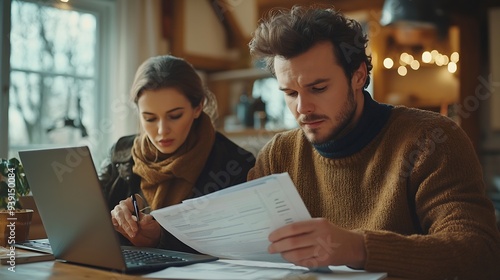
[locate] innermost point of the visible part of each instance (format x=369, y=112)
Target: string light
x=445, y=59
x=403, y=57
x=427, y=57
x=415, y=65
x=388, y=63
x=439, y=59
x=452, y=67
x=434, y=53
x=402, y=71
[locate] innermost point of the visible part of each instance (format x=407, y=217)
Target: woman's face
x=166, y=116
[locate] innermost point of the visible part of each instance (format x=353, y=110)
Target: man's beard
x=344, y=119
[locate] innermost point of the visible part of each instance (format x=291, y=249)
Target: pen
x=136, y=208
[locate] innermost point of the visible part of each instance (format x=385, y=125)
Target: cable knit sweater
x=415, y=189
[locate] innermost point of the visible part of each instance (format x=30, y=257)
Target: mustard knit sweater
x=416, y=190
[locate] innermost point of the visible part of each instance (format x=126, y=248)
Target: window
x=57, y=74
x=278, y=115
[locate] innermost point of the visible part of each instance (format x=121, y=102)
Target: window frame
x=105, y=13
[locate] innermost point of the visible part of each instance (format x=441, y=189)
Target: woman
x=178, y=155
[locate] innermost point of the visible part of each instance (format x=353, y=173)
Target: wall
x=245, y=12
x=494, y=18
x=204, y=34
x=488, y=87
x=204, y=31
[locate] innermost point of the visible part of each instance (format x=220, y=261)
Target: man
x=391, y=189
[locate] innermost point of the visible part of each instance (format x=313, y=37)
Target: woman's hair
x=168, y=71
x=289, y=33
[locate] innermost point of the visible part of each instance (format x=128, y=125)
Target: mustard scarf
x=169, y=179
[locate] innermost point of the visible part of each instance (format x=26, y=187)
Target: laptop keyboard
x=133, y=257
x=38, y=245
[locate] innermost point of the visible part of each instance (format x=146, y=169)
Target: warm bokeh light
x=65, y=1
x=439, y=60
x=410, y=58
x=434, y=53
x=431, y=57
x=452, y=67
x=415, y=65
x=426, y=57
x=402, y=70
x=388, y=63
x=446, y=60
x=404, y=57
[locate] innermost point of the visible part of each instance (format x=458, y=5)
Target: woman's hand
x=145, y=233
x=318, y=243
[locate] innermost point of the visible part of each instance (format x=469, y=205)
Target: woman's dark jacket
x=119, y=182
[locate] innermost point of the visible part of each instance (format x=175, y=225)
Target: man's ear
x=359, y=77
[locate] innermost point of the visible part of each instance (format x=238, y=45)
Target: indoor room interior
x=67, y=67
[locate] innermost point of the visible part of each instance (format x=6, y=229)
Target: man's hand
x=317, y=242
x=145, y=233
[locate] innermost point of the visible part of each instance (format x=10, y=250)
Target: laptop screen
x=72, y=206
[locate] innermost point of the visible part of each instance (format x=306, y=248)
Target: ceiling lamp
x=414, y=14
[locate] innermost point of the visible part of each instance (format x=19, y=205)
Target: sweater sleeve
x=459, y=237
x=263, y=161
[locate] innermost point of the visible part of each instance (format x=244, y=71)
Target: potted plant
x=14, y=221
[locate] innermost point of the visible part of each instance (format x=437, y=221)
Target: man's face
x=318, y=93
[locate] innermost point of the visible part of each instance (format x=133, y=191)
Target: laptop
x=36, y=228
x=75, y=215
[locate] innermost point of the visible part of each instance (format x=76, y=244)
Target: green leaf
x=21, y=183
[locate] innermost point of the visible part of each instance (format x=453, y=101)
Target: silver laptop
x=74, y=213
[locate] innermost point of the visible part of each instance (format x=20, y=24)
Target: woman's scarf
x=168, y=179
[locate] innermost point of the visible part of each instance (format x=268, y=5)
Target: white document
x=227, y=270
x=254, y=270
x=234, y=223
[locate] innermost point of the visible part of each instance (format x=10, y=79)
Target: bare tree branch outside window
x=53, y=81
